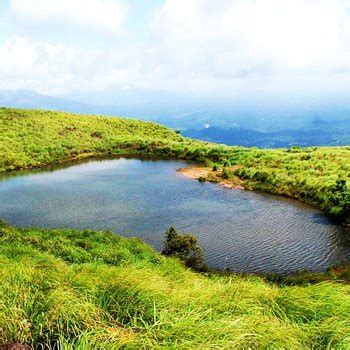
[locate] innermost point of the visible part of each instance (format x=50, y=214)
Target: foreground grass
x=32, y=138
x=88, y=289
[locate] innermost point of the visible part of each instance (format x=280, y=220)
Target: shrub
x=96, y=134
x=185, y=247
x=306, y=157
x=261, y=176
x=226, y=174
x=338, y=204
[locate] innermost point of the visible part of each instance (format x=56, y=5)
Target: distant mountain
x=331, y=134
x=250, y=125
x=169, y=114
x=31, y=99
x=34, y=100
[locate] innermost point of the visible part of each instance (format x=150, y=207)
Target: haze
x=92, y=50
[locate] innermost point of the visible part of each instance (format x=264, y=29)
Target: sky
x=203, y=47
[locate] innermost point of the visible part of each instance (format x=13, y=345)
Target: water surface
x=238, y=230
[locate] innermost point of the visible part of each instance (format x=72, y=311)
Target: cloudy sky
x=205, y=46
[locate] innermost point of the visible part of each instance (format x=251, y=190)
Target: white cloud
x=245, y=37
x=102, y=15
x=194, y=45
x=53, y=68
x=43, y=67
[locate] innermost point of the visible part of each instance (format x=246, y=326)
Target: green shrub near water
x=97, y=290
x=339, y=201
x=185, y=247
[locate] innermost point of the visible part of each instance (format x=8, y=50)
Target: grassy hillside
x=35, y=138
x=98, y=290
x=31, y=138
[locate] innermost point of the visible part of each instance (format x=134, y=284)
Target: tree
x=185, y=247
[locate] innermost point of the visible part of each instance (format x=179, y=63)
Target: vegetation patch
x=185, y=247
x=88, y=289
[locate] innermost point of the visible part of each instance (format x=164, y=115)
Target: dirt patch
x=15, y=346
x=195, y=173
x=207, y=174
x=227, y=184
x=67, y=130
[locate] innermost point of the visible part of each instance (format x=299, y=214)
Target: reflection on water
x=239, y=230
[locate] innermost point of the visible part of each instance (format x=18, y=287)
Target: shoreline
x=205, y=173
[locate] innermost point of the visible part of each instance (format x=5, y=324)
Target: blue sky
x=188, y=46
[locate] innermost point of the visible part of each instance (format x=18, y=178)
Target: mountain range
x=246, y=124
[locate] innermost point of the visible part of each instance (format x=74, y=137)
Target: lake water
x=238, y=230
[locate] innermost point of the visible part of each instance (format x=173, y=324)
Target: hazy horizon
x=105, y=51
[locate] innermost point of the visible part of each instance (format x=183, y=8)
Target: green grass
x=32, y=138
x=98, y=290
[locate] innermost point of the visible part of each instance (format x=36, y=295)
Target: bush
x=338, y=204
x=96, y=134
x=185, y=247
x=226, y=174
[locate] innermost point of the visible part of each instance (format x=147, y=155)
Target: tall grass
x=86, y=289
